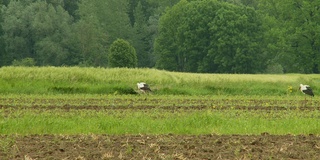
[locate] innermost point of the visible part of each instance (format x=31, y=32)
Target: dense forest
x=205, y=36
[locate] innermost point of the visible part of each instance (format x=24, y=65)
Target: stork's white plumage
x=144, y=87
x=306, y=89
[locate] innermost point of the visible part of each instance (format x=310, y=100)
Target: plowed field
x=166, y=146
x=263, y=146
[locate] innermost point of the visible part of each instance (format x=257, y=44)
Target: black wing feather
x=308, y=91
x=146, y=87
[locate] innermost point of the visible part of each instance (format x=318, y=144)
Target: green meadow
x=75, y=100
x=77, y=80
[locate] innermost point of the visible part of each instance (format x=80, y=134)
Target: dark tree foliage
x=37, y=30
x=215, y=36
x=72, y=6
x=144, y=16
x=3, y=59
x=4, y=2
x=80, y=37
x=209, y=36
x=291, y=38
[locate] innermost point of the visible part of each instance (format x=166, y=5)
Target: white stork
x=306, y=89
x=143, y=87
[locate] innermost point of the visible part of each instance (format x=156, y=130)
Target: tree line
x=205, y=36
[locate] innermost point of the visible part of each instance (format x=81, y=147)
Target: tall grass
x=52, y=80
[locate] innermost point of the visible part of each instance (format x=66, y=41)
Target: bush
x=274, y=69
x=122, y=54
x=27, y=62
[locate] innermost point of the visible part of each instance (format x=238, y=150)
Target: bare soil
x=202, y=147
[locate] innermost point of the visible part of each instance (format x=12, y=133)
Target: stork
x=143, y=87
x=306, y=89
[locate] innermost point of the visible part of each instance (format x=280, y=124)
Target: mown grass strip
x=154, y=101
x=157, y=121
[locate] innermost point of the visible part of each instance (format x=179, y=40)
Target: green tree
x=17, y=30
x=209, y=36
x=144, y=16
x=51, y=27
x=250, y=3
x=305, y=28
x=166, y=45
x=234, y=46
x=4, y=2
x=122, y=54
x=37, y=30
x=91, y=39
x=3, y=59
x=292, y=34
x=274, y=45
x=72, y=6
x=90, y=43
x=113, y=18
x=140, y=41
x=108, y=20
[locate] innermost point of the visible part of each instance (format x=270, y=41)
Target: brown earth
x=202, y=147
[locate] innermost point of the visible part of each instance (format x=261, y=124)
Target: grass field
x=77, y=80
x=98, y=100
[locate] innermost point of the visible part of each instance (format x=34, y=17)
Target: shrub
x=122, y=54
x=27, y=62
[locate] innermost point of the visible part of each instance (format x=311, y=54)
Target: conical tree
x=122, y=54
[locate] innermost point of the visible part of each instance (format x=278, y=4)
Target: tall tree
x=4, y=2
x=52, y=29
x=305, y=39
x=144, y=16
x=91, y=39
x=291, y=36
x=166, y=45
x=17, y=30
x=209, y=36
x=37, y=30
x=91, y=43
x=72, y=6
x=3, y=59
x=140, y=40
x=112, y=17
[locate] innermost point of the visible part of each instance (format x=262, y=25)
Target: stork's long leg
x=305, y=100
